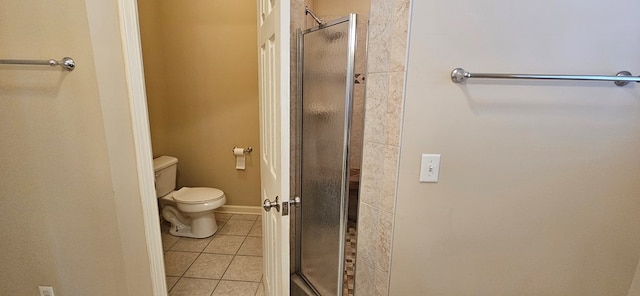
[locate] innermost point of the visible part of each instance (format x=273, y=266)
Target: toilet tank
x=165, y=168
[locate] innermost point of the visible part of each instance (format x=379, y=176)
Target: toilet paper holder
x=246, y=150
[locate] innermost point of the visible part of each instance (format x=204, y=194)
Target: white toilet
x=189, y=209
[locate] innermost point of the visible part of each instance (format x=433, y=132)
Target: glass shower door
x=327, y=91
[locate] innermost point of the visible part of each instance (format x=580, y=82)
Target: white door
x=273, y=51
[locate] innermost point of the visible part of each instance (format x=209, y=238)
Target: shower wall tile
x=399, y=34
x=365, y=249
x=390, y=180
x=388, y=27
x=371, y=281
x=379, y=175
x=384, y=103
x=357, y=126
x=380, y=23
x=361, y=50
x=376, y=107
x=393, y=118
x=374, y=241
x=371, y=176
x=385, y=79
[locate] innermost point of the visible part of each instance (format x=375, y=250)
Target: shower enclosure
x=326, y=60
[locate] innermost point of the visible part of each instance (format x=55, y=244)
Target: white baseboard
x=229, y=209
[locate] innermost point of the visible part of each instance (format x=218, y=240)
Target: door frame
x=134, y=71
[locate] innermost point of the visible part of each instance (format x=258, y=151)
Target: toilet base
x=196, y=225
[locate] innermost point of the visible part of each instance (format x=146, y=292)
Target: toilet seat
x=197, y=195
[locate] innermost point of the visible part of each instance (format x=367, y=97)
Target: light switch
x=430, y=168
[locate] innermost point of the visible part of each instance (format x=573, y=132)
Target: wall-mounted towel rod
x=622, y=78
x=66, y=63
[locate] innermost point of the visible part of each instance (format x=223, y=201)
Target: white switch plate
x=46, y=290
x=430, y=168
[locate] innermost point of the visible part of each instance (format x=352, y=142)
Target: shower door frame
x=349, y=97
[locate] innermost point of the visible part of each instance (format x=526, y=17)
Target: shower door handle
x=267, y=204
x=295, y=201
x=285, y=205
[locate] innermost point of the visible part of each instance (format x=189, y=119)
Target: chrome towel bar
x=66, y=63
x=622, y=78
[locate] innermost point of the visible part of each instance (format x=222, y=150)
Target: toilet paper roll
x=240, y=161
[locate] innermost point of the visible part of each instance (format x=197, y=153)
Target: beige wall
x=202, y=87
x=340, y=7
x=538, y=190
x=59, y=210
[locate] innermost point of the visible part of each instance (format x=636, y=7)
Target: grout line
x=233, y=258
x=241, y=244
x=214, y=288
x=194, y=261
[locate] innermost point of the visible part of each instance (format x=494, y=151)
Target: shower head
x=332, y=35
x=313, y=15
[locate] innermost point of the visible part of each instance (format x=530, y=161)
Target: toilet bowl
x=189, y=209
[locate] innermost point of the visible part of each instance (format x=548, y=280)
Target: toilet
x=188, y=209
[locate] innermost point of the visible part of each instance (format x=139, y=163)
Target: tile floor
x=228, y=263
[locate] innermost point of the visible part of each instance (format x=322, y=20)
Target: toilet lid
x=193, y=195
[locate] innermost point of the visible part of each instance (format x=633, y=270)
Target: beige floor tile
x=249, y=217
x=222, y=216
x=168, y=240
x=193, y=287
x=225, y=244
x=244, y=268
x=260, y=291
x=191, y=244
x=210, y=266
x=252, y=246
x=176, y=263
x=256, y=229
x=235, y=288
x=236, y=227
x=171, y=280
